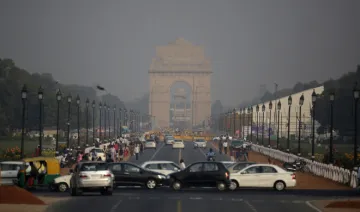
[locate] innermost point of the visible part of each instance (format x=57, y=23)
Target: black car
x=201, y=174
x=129, y=174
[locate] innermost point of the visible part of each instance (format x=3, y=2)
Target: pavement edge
x=311, y=205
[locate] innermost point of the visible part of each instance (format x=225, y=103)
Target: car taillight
x=227, y=175
x=83, y=176
x=293, y=176
x=107, y=175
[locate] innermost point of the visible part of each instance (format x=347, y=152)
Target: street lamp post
x=332, y=98
x=108, y=111
x=58, y=98
x=269, y=130
x=251, y=123
x=120, y=118
x=313, y=100
x=78, y=119
x=23, y=100
x=356, y=94
x=93, y=120
x=257, y=123
x=115, y=121
x=87, y=121
x=263, y=122
x=100, y=129
x=234, y=121
x=105, y=109
x=288, y=130
x=40, y=97
x=69, y=98
x=278, y=124
x=125, y=117
x=301, y=102
x=243, y=122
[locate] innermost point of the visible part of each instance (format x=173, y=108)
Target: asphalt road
x=199, y=200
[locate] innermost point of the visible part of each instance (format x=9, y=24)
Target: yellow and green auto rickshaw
x=39, y=172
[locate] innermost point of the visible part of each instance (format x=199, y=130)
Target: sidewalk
x=323, y=205
x=304, y=180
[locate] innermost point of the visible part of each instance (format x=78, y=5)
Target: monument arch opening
x=180, y=61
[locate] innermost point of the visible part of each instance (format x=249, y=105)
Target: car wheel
x=233, y=185
x=176, y=185
x=221, y=186
x=62, y=187
x=279, y=185
x=150, y=183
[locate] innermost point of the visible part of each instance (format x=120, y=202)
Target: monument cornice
x=180, y=72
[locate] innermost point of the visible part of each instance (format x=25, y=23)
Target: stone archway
x=180, y=61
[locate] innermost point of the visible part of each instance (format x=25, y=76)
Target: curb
x=309, y=203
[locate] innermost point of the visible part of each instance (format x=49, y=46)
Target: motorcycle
x=295, y=166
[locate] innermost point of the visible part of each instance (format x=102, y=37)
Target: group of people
x=223, y=145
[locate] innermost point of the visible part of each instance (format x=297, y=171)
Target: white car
x=9, y=171
x=99, y=153
x=61, y=183
x=163, y=167
x=178, y=144
x=201, y=143
x=216, y=138
x=262, y=176
x=169, y=140
x=150, y=144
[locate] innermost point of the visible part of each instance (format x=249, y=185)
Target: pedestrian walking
x=182, y=164
x=137, y=150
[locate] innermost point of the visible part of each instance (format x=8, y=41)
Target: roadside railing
x=328, y=171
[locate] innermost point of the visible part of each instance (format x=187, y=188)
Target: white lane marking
x=298, y=201
x=236, y=200
x=250, y=206
x=257, y=200
x=195, y=198
x=132, y=198
x=308, y=203
x=114, y=207
x=156, y=152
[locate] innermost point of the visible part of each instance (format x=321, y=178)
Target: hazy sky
x=250, y=42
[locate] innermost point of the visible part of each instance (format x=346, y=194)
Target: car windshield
x=200, y=140
x=94, y=167
x=178, y=141
x=170, y=137
x=236, y=143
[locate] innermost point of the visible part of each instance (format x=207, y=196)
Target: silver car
x=91, y=176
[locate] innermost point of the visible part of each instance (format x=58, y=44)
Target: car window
x=10, y=167
x=131, y=169
x=152, y=166
x=268, y=169
x=211, y=167
x=116, y=168
x=169, y=167
x=94, y=167
x=252, y=170
x=196, y=167
x=241, y=166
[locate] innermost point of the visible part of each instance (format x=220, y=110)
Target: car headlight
x=161, y=176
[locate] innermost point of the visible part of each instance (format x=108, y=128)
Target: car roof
x=157, y=161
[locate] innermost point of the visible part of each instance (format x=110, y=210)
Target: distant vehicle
x=201, y=174
x=169, y=140
x=178, y=144
x=216, y=138
x=91, y=176
x=227, y=164
x=236, y=167
x=150, y=144
x=263, y=176
x=9, y=171
x=163, y=167
x=128, y=174
x=236, y=144
x=200, y=143
x=99, y=153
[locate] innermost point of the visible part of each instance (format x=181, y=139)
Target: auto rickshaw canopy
x=52, y=164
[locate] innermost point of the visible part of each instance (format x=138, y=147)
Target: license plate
x=95, y=176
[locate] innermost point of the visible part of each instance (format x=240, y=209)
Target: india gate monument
x=180, y=61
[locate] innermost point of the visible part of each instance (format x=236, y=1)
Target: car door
x=8, y=173
x=155, y=167
x=194, y=174
x=268, y=176
x=116, y=169
x=249, y=177
x=168, y=168
x=210, y=174
x=132, y=175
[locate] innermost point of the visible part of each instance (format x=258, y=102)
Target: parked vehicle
x=91, y=176
x=263, y=176
x=128, y=174
x=9, y=171
x=201, y=174
x=178, y=144
x=163, y=167
x=298, y=165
